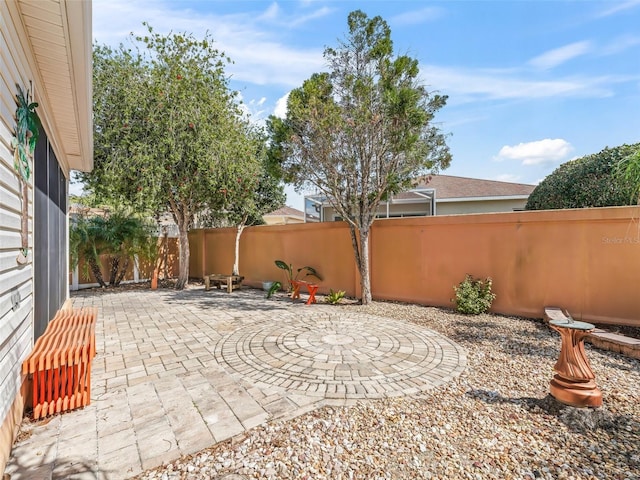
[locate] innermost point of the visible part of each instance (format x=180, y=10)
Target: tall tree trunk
x=114, y=261
x=360, y=242
x=236, y=260
x=123, y=271
x=95, y=269
x=363, y=267
x=183, y=254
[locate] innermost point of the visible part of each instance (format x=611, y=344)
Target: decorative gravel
x=495, y=421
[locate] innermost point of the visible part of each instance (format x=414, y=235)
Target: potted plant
x=288, y=268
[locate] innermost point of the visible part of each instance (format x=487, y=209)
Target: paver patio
x=179, y=371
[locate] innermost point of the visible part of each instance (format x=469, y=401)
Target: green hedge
x=589, y=181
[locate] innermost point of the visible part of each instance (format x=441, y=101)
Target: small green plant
x=473, y=296
x=288, y=268
x=275, y=286
x=335, y=297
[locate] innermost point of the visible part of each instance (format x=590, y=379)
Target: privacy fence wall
x=586, y=260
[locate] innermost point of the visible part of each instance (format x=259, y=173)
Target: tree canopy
x=362, y=131
x=246, y=203
x=169, y=134
x=119, y=236
x=628, y=172
x=589, y=181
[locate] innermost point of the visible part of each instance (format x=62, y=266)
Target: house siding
x=404, y=209
x=16, y=281
x=17, y=299
x=45, y=48
x=479, y=206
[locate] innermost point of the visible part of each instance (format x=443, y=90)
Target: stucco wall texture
x=586, y=260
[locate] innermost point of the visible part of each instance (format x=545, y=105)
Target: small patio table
x=574, y=382
x=312, y=288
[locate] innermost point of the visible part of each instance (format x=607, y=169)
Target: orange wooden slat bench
x=312, y=288
x=60, y=363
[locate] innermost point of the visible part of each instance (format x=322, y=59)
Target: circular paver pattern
x=338, y=355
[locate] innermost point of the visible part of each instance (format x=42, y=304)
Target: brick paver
x=179, y=371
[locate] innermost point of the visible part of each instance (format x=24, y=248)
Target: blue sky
x=531, y=84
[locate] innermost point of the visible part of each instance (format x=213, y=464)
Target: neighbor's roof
x=285, y=211
x=447, y=186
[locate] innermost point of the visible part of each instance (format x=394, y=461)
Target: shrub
x=473, y=296
x=275, y=286
x=335, y=297
x=288, y=268
x=589, y=181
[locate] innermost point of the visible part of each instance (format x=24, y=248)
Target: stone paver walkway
x=177, y=372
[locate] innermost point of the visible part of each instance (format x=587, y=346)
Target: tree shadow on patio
x=245, y=299
x=31, y=461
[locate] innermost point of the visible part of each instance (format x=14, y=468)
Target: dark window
x=50, y=278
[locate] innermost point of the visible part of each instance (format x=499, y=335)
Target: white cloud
x=620, y=44
x=508, y=177
x=280, y=110
x=321, y=12
x=466, y=85
x=558, y=56
x=416, y=17
x=271, y=13
x=259, y=57
x=538, y=152
x=274, y=14
x=618, y=7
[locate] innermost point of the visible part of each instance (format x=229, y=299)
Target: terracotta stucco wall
x=587, y=261
x=325, y=247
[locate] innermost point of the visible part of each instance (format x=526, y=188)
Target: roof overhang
x=59, y=36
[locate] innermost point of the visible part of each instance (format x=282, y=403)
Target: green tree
x=248, y=196
x=628, y=173
x=85, y=239
x=361, y=132
x=589, y=181
x=168, y=131
x=118, y=236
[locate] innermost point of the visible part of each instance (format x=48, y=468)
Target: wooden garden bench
x=232, y=282
x=60, y=364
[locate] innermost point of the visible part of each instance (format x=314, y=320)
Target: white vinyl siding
x=479, y=206
x=16, y=281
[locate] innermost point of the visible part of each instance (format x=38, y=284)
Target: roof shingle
x=447, y=186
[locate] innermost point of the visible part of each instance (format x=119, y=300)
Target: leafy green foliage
x=256, y=193
x=628, y=173
x=169, y=134
x=288, y=268
x=473, y=296
x=589, y=181
x=116, y=236
x=26, y=134
x=335, y=297
x=275, y=286
x=360, y=132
